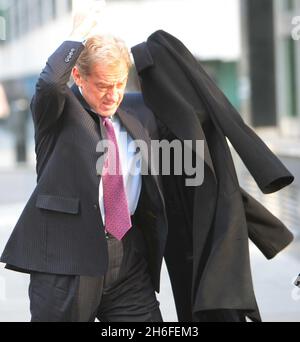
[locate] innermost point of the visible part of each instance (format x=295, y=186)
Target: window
x=2, y=28
x=291, y=81
x=24, y=16
x=53, y=9
x=289, y=5
x=70, y=5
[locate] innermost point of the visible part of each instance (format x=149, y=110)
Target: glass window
x=291, y=81
x=288, y=5
x=24, y=17
x=39, y=10
x=3, y=25
x=53, y=9
x=70, y=5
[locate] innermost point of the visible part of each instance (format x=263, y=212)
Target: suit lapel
x=96, y=132
x=137, y=132
x=92, y=118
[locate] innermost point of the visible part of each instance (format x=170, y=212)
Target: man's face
x=104, y=88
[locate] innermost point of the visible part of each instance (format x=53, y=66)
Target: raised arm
x=49, y=99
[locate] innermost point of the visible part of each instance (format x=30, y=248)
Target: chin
x=109, y=113
x=106, y=114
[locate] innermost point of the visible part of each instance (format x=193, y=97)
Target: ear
x=76, y=76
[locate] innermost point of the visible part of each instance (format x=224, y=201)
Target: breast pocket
x=60, y=204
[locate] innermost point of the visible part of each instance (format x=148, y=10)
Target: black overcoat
x=207, y=250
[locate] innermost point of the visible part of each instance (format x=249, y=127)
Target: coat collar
x=171, y=110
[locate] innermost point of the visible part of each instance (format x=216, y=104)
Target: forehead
x=109, y=73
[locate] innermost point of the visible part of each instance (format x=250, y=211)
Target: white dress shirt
x=131, y=168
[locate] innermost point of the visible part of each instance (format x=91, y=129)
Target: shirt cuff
x=77, y=40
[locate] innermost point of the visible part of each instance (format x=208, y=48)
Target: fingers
x=98, y=6
x=88, y=19
x=97, y=9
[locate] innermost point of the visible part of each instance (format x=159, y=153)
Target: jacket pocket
x=57, y=203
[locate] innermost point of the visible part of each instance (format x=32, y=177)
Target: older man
x=92, y=240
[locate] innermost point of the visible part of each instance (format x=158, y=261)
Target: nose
x=112, y=94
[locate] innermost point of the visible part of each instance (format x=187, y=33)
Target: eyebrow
x=108, y=84
x=102, y=83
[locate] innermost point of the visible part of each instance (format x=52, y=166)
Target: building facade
x=34, y=29
x=287, y=45
x=271, y=64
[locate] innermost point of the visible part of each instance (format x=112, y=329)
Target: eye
x=101, y=87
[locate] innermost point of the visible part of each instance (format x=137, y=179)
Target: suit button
x=96, y=207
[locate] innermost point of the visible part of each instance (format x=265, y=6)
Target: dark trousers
x=124, y=294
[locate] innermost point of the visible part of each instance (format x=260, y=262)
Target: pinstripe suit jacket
x=60, y=230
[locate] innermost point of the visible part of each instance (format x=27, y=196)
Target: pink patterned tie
x=117, y=216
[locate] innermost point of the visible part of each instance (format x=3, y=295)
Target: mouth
x=109, y=105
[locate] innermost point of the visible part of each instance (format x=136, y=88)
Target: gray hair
x=106, y=49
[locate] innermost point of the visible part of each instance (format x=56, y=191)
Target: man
x=91, y=240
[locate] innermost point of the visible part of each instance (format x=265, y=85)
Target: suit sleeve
x=49, y=99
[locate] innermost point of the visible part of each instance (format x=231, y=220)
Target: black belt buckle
x=108, y=236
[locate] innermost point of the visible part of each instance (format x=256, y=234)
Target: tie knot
x=107, y=121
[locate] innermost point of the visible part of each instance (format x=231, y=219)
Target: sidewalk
x=277, y=297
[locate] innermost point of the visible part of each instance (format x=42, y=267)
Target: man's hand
x=84, y=21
